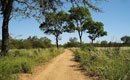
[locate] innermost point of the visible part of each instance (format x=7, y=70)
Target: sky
x=115, y=16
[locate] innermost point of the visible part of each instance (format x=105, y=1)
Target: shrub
x=87, y=47
x=13, y=65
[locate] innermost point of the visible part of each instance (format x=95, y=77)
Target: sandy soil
x=63, y=67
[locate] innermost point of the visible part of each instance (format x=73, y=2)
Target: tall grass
x=107, y=64
x=23, y=61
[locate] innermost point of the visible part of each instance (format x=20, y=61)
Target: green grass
x=23, y=61
x=107, y=64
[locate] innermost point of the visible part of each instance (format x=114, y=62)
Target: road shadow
x=72, y=59
x=77, y=67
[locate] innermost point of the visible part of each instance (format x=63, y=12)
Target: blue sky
x=115, y=16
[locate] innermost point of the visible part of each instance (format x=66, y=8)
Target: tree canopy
x=125, y=39
x=96, y=30
x=54, y=24
x=79, y=16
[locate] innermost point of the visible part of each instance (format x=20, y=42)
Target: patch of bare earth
x=63, y=67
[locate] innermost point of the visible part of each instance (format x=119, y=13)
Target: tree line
x=29, y=43
x=125, y=43
x=44, y=42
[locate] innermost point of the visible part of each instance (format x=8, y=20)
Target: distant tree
x=45, y=40
x=125, y=39
x=96, y=30
x=74, y=39
x=54, y=24
x=78, y=17
x=104, y=42
x=26, y=44
x=34, y=38
x=36, y=42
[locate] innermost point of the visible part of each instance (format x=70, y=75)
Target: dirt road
x=63, y=67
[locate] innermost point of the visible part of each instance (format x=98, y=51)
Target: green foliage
x=78, y=17
x=96, y=30
x=106, y=63
x=54, y=24
x=30, y=42
x=104, y=42
x=77, y=55
x=23, y=61
x=12, y=65
x=125, y=39
x=100, y=45
x=72, y=43
x=87, y=47
x=74, y=39
x=79, y=13
x=26, y=9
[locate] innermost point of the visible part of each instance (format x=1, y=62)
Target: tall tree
x=6, y=9
x=96, y=30
x=54, y=24
x=79, y=16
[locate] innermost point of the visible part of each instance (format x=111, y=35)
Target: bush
x=87, y=47
x=13, y=65
x=72, y=44
x=77, y=56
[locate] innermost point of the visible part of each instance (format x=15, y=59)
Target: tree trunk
x=7, y=9
x=80, y=37
x=57, y=45
x=92, y=41
x=5, y=37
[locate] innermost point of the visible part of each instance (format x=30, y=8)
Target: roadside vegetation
x=23, y=61
x=21, y=55
x=105, y=63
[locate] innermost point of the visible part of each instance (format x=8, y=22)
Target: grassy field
x=105, y=63
x=23, y=61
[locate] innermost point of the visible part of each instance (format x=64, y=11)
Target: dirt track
x=63, y=67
